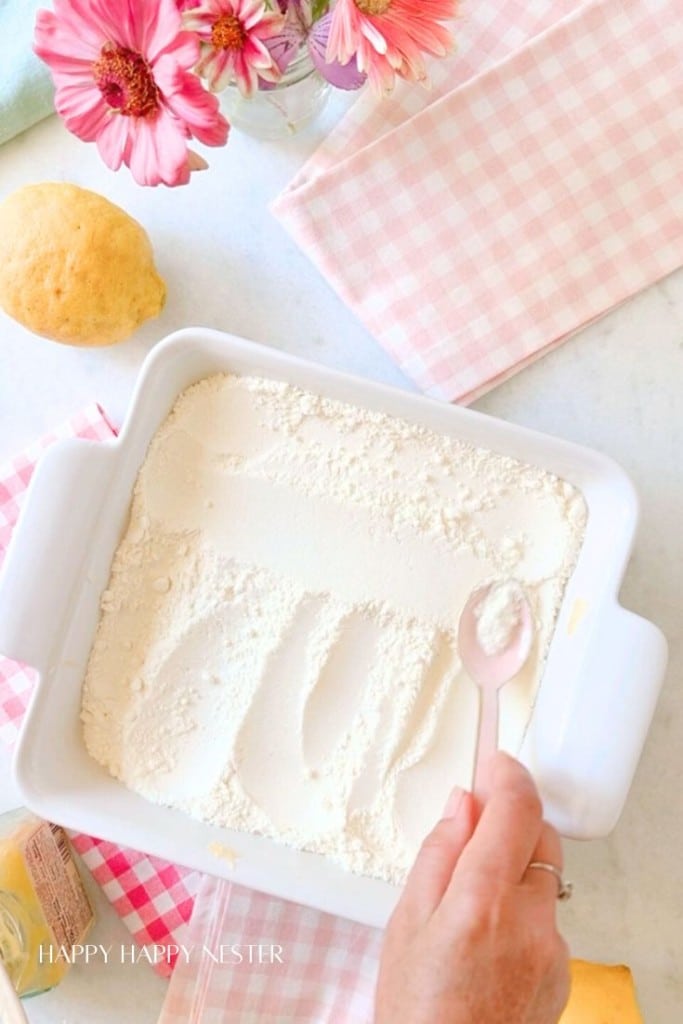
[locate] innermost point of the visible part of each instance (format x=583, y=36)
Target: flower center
x=372, y=6
x=125, y=80
x=227, y=33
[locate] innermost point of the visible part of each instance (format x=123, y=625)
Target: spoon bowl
x=499, y=667
x=492, y=669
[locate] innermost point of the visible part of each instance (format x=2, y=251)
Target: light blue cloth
x=26, y=93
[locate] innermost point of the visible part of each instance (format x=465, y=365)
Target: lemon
x=74, y=267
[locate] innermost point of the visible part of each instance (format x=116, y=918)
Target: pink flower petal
x=199, y=20
x=112, y=17
x=53, y=40
x=124, y=16
x=184, y=49
x=112, y=141
x=89, y=124
x=373, y=36
x=74, y=99
x=80, y=21
x=159, y=153
x=165, y=71
x=157, y=23
x=199, y=110
x=217, y=67
x=251, y=13
x=343, y=38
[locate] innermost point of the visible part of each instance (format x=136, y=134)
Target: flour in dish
x=277, y=648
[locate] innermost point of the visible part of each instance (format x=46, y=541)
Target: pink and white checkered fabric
x=153, y=898
x=327, y=974
x=473, y=230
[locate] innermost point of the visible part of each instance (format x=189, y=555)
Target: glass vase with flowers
x=141, y=79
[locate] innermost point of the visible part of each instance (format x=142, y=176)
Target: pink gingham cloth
x=153, y=898
x=476, y=227
x=326, y=975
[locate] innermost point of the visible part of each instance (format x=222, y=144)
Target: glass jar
x=281, y=110
x=11, y=1011
x=44, y=909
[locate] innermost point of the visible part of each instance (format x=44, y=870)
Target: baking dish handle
x=603, y=727
x=48, y=547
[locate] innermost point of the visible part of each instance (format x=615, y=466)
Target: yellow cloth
x=601, y=994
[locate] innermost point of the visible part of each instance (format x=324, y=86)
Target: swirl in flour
x=277, y=648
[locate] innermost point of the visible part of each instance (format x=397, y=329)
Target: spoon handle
x=487, y=740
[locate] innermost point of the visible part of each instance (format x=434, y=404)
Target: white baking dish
x=596, y=699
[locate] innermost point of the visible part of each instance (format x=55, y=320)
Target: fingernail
x=453, y=803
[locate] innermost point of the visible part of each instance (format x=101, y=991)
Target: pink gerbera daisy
x=389, y=37
x=123, y=79
x=233, y=35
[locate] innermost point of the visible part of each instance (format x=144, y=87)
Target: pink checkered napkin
x=484, y=229
x=153, y=898
x=327, y=974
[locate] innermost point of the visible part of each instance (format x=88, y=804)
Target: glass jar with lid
x=44, y=908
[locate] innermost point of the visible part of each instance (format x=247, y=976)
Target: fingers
x=437, y=858
x=510, y=825
x=548, y=851
x=549, y=847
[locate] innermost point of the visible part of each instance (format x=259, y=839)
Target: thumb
x=437, y=857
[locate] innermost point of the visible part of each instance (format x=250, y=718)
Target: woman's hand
x=473, y=939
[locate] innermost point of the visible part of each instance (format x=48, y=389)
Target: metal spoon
x=491, y=671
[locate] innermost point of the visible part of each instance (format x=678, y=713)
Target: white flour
x=498, y=616
x=277, y=650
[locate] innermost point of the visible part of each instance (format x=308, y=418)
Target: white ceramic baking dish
x=595, y=703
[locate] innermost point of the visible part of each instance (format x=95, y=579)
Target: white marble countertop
x=616, y=386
